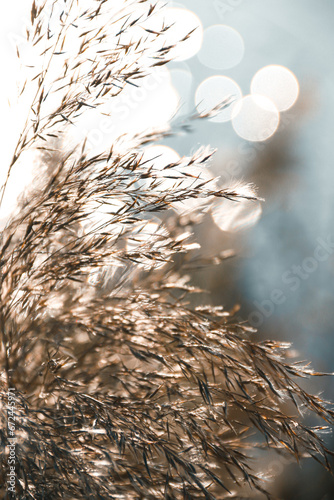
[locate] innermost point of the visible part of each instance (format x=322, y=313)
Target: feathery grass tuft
x=123, y=390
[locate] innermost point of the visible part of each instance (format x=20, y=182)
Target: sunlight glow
x=182, y=82
x=22, y=176
x=150, y=105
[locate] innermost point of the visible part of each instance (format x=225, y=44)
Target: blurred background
x=281, y=280
x=276, y=60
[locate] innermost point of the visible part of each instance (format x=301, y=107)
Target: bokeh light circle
x=277, y=83
x=233, y=216
x=174, y=173
x=191, y=178
x=223, y=47
x=213, y=91
x=158, y=157
x=255, y=118
x=182, y=22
